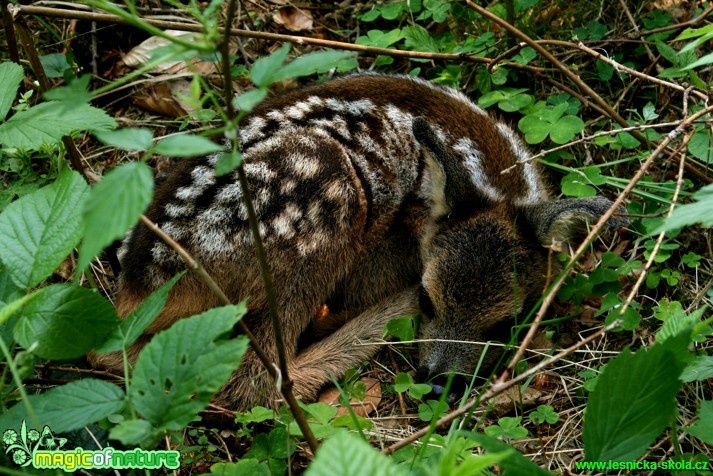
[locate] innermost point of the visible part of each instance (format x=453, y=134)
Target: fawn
x=380, y=196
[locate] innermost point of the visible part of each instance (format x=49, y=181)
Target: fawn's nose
x=439, y=381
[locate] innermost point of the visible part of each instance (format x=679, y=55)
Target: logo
x=44, y=451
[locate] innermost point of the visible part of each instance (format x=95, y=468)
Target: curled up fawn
x=380, y=196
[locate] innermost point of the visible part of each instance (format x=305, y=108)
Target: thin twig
x=662, y=235
x=587, y=139
x=300, y=40
x=499, y=388
x=9, y=32
x=283, y=379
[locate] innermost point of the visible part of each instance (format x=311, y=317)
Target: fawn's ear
x=559, y=220
x=451, y=184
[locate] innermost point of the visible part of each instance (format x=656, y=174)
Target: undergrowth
x=616, y=101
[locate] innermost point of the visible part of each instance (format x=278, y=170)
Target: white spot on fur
x=304, y=166
x=355, y=108
x=288, y=186
x=253, y=129
x=298, y=110
x=230, y=194
x=474, y=164
x=174, y=211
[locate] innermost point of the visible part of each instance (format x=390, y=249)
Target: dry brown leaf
x=363, y=408
x=164, y=99
x=294, y=19
x=505, y=402
x=141, y=55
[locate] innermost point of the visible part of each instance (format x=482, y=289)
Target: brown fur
x=364, y=207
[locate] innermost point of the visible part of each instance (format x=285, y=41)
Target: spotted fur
x=367, y=189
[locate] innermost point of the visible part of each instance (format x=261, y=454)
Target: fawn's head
x=484, y=261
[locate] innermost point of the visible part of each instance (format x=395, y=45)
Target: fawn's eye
x=425, y=303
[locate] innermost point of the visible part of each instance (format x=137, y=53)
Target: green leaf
x=534, y=128
x=228, y=162
x=178, y=372
x=688, y=214
x=131, y=327
x=128, y=138
x=565, y=129
x=65, y=321
x=318, y=62
x=634, y=401
x=703, y=427
x=74, y=94
x=514, y=464
x=403, y=328
x=403, y=382
x=700, y=368
x=244, y=467
x=348, y=455
x=114, y=206
x=419, y=39
x=247, y=101
x=186, y=145
x=54, y=64
x=69, y=407
x=131, y=432
x=509, y=427
x=46, y=123
x=701, y=146
x=11, y=75
x=39, y=230
x=707, y=59
x=262, y=73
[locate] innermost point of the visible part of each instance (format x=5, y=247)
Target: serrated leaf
x=65, y=321
x=115, y=205
x=39, y=230
x=68, y=407
x=346, y=454
x=185, y=145
x=11, y=75
x=127, y=138
x=178, y=372
x=131, y=432
x=701, y=146
x=703, y=427
x=707, y=59
x=131, y=327
x=419, y=39
x=46, y=123
x=75, y=93
x=634, y=401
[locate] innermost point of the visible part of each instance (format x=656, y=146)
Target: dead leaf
x=164, y=98
x=505, y=402
x=141, y=55
x=294, y=19
x=363, y=408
